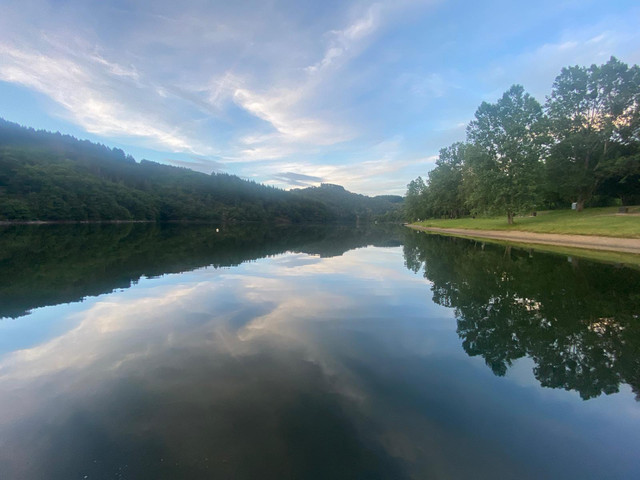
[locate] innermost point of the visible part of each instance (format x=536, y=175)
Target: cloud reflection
x=294, y=366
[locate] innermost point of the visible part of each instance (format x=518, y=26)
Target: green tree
x=445, y=182
x=416, y=200
x=477, y=180
x=510, y=138
x=594, y=116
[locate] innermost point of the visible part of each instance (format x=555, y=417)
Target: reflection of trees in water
x=51, y=264
x=578, y=320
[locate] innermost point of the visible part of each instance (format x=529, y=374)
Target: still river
x=182, y=352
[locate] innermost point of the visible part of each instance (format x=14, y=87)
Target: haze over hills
x=53, y=177
x=345, y=203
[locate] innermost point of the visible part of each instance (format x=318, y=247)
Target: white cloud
x=86, y=88
x=279, y=109
x=371, y=170
x=241, y=84
x=284, y=106
x=344, y=42
x=259, y=86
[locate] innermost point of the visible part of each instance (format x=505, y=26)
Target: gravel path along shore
x=592, y=242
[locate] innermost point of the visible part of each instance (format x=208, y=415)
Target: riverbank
x=605, y=222
x=586, y=242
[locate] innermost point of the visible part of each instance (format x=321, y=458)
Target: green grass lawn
x=591, y=221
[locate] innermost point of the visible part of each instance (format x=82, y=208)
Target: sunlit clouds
x=281, y=90
x=85, y=89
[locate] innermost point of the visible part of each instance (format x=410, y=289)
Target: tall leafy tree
x=415, y=202
x=445, y=182
x=594, y=115
x=509, y=137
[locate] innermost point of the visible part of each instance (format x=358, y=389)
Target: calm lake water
x=146, y=352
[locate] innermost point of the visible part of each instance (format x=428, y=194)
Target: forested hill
x=345, y=204
x=53, y=177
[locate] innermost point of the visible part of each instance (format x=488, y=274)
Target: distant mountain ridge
x=48, y=176
x=347, y=204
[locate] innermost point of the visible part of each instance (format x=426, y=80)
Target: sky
x=291, y=93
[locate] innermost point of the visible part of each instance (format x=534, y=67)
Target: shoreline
x=587, y=242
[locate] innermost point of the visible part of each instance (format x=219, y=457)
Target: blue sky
x=291, y=93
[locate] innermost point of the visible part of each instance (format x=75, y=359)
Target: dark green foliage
x=445, y=182
x=594, y=114
x=509, y=135
x=584, y=148
x=442, y=195
x=349, y=206
x=417, y=200
x=53, y=177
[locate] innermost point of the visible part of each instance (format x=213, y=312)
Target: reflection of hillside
x=51, y=264
x=579, y=321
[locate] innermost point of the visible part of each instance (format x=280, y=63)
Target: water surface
x=138, y=351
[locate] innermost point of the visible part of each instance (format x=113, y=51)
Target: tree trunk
x=580, y=205
x=510, y=218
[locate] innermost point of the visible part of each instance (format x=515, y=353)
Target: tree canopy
x=509, y=136
x=583, y=146
x=52, y=177
x=593, y=113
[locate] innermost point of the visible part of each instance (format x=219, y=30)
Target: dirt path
x=592, y=242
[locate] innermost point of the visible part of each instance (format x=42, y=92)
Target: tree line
x=582, y=146
x=52, y=177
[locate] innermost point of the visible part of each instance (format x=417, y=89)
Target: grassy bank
x=616, y=258
x=592, y=221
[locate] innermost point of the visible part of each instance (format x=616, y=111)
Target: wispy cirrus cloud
x=346, y=41
x=283, y=107
x=139, y=98
x=373, y=168
x=86, y=87
x=282, y=87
